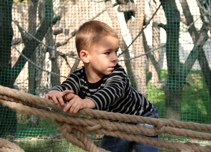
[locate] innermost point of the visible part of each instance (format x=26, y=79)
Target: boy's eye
x=107, y=53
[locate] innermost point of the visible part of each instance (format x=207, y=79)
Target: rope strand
x=74, y=127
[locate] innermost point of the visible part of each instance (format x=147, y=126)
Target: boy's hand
x=75, y=103
x=57, y=96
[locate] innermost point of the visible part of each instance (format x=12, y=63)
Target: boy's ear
x=84, y=56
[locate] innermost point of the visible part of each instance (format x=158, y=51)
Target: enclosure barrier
x=74, y=127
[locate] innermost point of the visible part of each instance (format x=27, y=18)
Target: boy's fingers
x=69, y=96
x=67, y=106
x=74, y=110
x=74, y=107
x=61, y=101
x=55, y=100
x=46, y=96
x=65, y=92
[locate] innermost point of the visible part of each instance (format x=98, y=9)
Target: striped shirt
x=112, y=93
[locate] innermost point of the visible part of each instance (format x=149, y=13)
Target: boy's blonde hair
x=90, y=33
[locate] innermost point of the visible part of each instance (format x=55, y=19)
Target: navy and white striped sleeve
x=114, y=89
x=71, y=83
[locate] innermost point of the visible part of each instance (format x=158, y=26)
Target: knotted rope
x=6, y=146
x=75, y=127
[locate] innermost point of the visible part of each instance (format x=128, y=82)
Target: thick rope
x=71, y=134
x=113, y=124
x=7, y=146
x=64, y=119
x=28, y=99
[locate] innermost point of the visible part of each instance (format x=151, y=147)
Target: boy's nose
x=114, y=57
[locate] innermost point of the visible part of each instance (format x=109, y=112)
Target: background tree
x=8, y=73
x=177, y=72
x=32, y=24
x=136, y=11
x=174, y=87
x=139, y=64
x=154, y=67
x=195, y=35
x=8, y=119
x=205, y=10
x=123, y=46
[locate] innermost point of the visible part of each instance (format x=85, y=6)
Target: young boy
x=102, y=83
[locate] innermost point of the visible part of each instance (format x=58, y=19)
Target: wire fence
x=164, y=48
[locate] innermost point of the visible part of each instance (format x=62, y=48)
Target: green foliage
x=182, y=139
x=47, y=145
x=41, y=137
x=196, y=103
x=157, y=97
x=44, y=127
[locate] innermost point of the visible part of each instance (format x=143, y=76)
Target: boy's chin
x=108, y=72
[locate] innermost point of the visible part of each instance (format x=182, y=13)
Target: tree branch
x=32, y=43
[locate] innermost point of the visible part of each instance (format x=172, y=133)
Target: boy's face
x=103, y=56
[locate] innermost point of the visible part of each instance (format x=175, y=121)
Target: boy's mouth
x=111, y=68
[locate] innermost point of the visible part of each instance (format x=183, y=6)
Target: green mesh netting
x=165, y=49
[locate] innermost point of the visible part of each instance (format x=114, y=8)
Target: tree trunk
x=55, y=80
x=6, y=34
x=152, y=59
x=8, y=121
x=194, y=35
x=174, y=87
x=155, y=79
x=123, y=46
x=139, y=63
x=32, y=15
x=31, y=44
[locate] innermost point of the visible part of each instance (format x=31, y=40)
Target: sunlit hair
x=90, y=33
